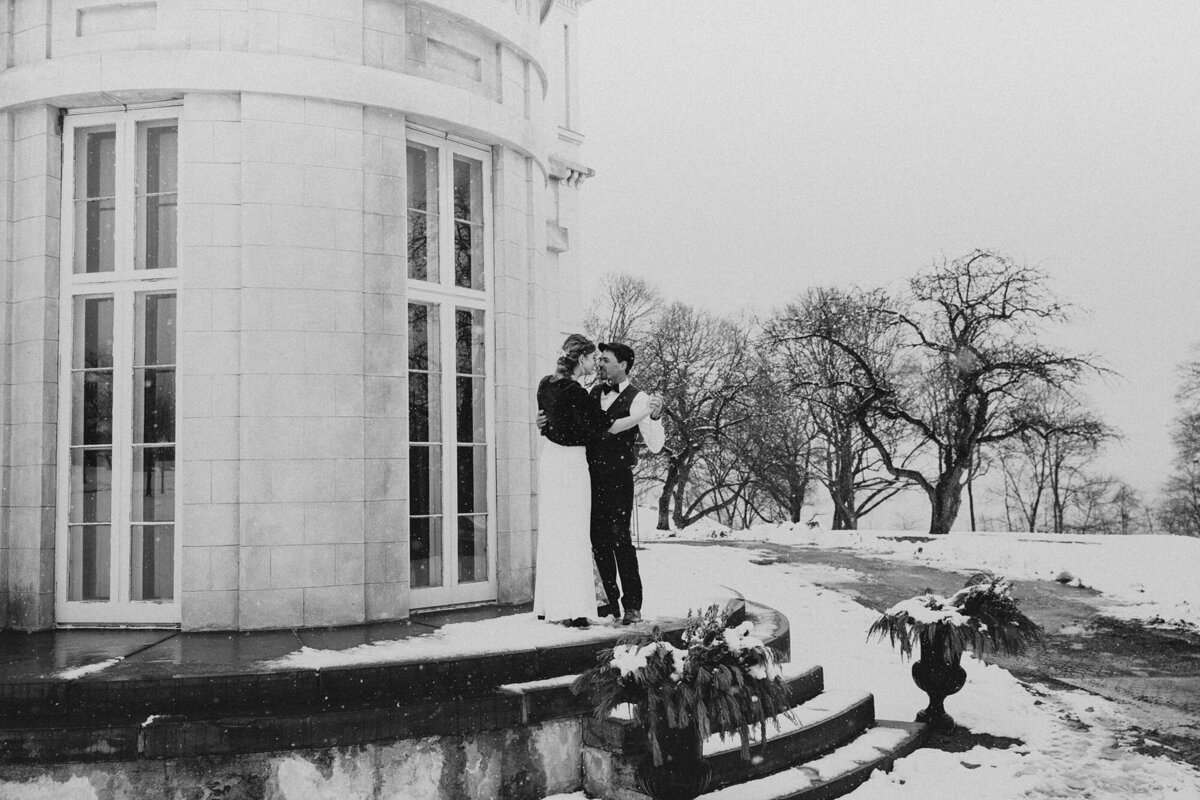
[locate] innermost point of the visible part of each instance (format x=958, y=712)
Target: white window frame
x=123, y=285
x=448, y=298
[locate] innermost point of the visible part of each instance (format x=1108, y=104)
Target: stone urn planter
x=938, y=674
x=683, y=773
x=982, y=616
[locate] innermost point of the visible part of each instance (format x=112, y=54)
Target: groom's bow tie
x=605, y=388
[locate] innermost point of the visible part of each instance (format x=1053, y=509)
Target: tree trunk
x=971, y=501
x=681, y=479
x=945, y=500
x=664, y=500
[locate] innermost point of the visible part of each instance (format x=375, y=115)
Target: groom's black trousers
x=612, y=545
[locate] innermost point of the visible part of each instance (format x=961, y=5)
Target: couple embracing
x=585, y=483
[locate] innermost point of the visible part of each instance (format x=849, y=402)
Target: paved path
x=1153, y=674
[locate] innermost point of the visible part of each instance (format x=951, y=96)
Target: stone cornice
x=139, y=76
x=569, y=172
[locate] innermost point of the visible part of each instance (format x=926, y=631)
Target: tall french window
x=118, y=555
x=450, y=356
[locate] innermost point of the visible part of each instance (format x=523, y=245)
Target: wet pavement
x=156, y=654
x=1152, y=673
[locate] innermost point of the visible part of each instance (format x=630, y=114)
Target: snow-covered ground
x=1148, y=577
x=1070, y=740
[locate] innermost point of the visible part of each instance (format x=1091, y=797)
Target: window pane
x=472, y=549
x=424, y=378
x=158, y=146
x=91, y=486
x=472, y=427
x=468, y=342
x=424, y=408
x=468, y=189
x=154, y=387
x=92, y=407
x=156, y=319
x=157, y=185
x=425, y=552
x=153, y=484
x=423, y=247
x=88, y=562
x=154, y=405
x=472, y=480
x=157, y=231
x=424, y=480
x=469, y=361
x=468, y=255
x=468, y=222
x=152, y=563
x=95, y=199
x=93, y=333
x=423, y=213
x=423, y=338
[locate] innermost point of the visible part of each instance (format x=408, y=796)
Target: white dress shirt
x=651, y=429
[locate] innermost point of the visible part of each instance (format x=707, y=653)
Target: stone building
x=279, y=278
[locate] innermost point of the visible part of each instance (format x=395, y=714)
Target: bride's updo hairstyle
x=574, y=348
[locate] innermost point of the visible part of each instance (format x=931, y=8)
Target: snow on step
x=533, y=686
x=824, y=706
x=793, y=669
x=863, y=751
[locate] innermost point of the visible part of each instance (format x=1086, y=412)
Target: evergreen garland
x=982, y=616
x=725, y=681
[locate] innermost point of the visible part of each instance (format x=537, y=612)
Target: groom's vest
x=621, y=449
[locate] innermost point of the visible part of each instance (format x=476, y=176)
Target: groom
x=611, y=461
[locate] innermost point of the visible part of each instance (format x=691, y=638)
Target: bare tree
x=1179, y=512
x=1043, y=467
x=626, y=310
x=706, y=372
x=777, y=445
x=846, y=462
x=970, y=368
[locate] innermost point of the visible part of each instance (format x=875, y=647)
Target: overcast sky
x=747, y=150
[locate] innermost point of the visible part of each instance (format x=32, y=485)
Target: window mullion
x=449, y=448
x=126, y=223
x=446, y=210
x=121, y=442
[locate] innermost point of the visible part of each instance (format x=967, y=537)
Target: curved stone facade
x=270, y=362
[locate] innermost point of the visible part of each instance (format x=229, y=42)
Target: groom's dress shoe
x=606, y=611
x=632, y=617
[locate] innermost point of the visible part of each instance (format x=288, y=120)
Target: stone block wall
x=292, y=409
x=516, y=764
x=29, y=406
x=210, y=338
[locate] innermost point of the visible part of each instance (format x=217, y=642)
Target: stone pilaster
x=31, y=408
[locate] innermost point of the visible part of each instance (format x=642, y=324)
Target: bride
x=565, y=591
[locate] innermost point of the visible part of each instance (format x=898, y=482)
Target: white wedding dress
x=564, y=588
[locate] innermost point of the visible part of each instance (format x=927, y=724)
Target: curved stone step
x=818, y=726
x=131, y=690
x=836, y=773
x=103, y=718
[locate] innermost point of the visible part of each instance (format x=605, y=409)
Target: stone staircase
x=830, y=744
x=203, y=710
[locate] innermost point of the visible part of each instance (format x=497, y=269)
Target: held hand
x=541, y=420
x=656, y=406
